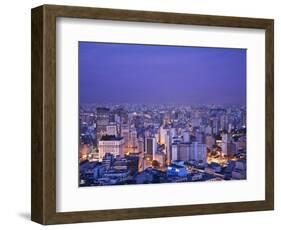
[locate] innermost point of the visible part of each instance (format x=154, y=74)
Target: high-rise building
x=175, y=152
x=157, y=136
x=125, y=133
x=215, y=125
x=223, y=122
x=111, y=144
x=102, y=121
x=225, y=141
x=210, y=141
x=229, y=127
x=198, y=152
x=133, y=140
x=111, y=129
x=140, y=145
x=184, y=151
x=150, y=145
x=162, y=135
x=168, y=147
x=189, y=151
x=186, y=137
x=244, y=118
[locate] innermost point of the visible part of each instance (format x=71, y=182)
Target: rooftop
x=110, y=138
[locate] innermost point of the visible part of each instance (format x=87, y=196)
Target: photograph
x=161, y=114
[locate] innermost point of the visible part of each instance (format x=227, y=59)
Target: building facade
x=111, y=144
x=102, y=121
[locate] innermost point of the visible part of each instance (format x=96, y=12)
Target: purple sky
x=124, y=73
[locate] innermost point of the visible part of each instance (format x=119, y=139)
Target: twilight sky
x=124, y=73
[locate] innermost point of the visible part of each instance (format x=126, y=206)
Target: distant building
x=168, y=147
x=125, y=133
x=133, y=140
x=186, y=136
x=140, y=145
x=111, y=144
x=223, y=122
x=175, y=152
x=215, y=125
x=225, y=140
x=210, y=141
x=102, y=121
x=111, y=129
x=228, y=147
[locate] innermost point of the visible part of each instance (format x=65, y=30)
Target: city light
x=133, y=145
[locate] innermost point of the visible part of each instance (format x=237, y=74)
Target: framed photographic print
x=141, y=114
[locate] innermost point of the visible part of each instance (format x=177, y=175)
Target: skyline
x=158, y=71
x=162, y=144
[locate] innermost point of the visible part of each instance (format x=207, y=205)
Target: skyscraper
x=210, y=141
x=168, y=147
x=162, y=134
x=125, y=133
x=102, y=121
x=225, y=140
x=175, y=152
x=150, y=145
x=133, y=140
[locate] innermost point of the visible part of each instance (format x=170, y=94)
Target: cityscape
x=145, y=121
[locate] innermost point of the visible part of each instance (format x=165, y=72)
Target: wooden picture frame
x=43, y=207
